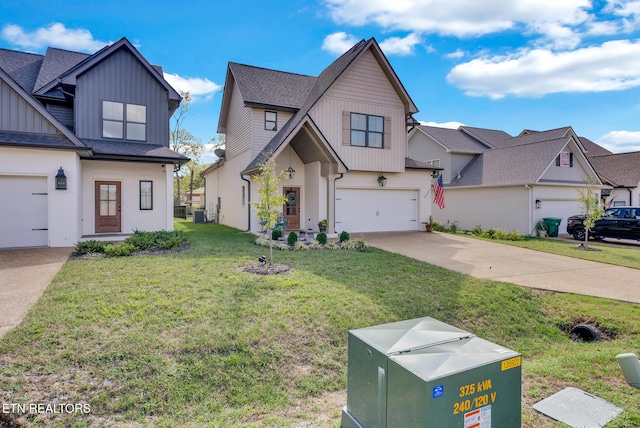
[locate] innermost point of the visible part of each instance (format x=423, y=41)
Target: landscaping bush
x=501, y=234
x=344, y=236
x=357, y=244
x=90, y=247
x=515, y=236
x=163, y=239
x=119, y=250
x=477, y=230
x=322, y=238
x=292, y=239
x=276, y=233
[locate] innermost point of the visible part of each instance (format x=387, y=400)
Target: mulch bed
x=583, y=247
x=266, y=269
x=78, y=256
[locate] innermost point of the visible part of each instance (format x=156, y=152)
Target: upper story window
x=114, y=117
x=367, y=130
x=270, y=120
x=565, y=160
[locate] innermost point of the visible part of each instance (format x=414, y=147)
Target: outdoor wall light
x=435, y=174
x=61, y=180
x=538, y=204
x=382, y=180
x=290, y=172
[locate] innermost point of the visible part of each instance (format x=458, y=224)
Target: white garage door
x=23, y=212
x=559, y=209
x=376, y=210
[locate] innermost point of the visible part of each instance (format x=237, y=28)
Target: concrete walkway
x=24, y=275
x=499, y=262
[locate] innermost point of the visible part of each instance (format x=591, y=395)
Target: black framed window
x=146, y=195
x=270, y=120
x=367, y=130
x=565, y=160
x=124, y=121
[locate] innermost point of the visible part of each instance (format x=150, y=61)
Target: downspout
x=248, y=203
x=531, y=227
x=334, y=203
x=630, y=196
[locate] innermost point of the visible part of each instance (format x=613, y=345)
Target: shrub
x=344, y=236
x=119, y=250
x=164, y=239
x=477, y=230
x=357, y=244
x=90, y=247
x=292, y=239
x=300, y=246
x=501, y=234
x=322, y=238
x=515, y=236
x=276, y=233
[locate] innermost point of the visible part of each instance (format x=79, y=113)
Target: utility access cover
x=578, y=409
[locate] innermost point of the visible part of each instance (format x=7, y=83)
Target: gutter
x=334, y=201
x=248, y=203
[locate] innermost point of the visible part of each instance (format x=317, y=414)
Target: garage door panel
x=375, y=210
x=560, y=209
x=23, y=212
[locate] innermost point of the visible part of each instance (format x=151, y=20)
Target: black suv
x=618, y=222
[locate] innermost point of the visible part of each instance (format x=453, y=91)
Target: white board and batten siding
x=23, y=211
x=376, y=210
x=365, y=89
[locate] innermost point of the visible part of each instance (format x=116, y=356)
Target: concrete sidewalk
x=24, y=275
x=500, y=262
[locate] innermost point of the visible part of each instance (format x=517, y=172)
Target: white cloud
x=196, y=86
x=455, y=55
x=338, y=43
x=465, y=18
x=450, y=125
x=612, y=66
x=620, y=141
x=55, y=35
x=400, y=46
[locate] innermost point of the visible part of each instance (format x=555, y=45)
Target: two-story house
x=84, y=146
x=341, y=136
x=495, y=180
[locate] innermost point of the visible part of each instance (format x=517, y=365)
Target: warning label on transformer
x=479, y=418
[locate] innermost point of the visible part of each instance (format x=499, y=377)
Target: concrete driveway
x=499, y=262
x=24, y=275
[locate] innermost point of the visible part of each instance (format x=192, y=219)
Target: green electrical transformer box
x=425, y=373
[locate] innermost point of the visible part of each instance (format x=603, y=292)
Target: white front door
x=23, y=212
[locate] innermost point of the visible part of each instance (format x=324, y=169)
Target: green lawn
x=189, y=340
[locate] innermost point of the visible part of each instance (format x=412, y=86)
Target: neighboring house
x=498, y=181
x=198, y=197
x=100, y=120
x=622, y=172
x=343, y=134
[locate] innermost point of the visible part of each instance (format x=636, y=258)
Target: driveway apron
x=500, y=262
x=24, y=275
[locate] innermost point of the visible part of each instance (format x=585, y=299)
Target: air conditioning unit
x=199, y=216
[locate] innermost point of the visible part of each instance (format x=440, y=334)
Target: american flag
x=438, y=192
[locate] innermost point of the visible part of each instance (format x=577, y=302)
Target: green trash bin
x=553, y=224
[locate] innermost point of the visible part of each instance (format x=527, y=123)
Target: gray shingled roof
x=29, y=139
x=539, y=136
x=492, y=137
x=593, y=149
x=55, y=63
x=22, y=67
x=454, y=139
x=261, y=86
x=521, y=164
x=621, y=169
x=416, y=164
x=112, y=149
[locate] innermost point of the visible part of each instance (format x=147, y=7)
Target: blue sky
x=500, y=64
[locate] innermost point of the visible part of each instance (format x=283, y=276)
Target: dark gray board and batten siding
x=121, y=78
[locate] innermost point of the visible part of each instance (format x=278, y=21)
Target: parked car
x=618, y=222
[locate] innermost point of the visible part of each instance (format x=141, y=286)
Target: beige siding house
x=494, y=180
x=341, y=133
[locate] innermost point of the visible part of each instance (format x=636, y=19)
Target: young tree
x=590, y=206
x=183, y=142
x=269, y=206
